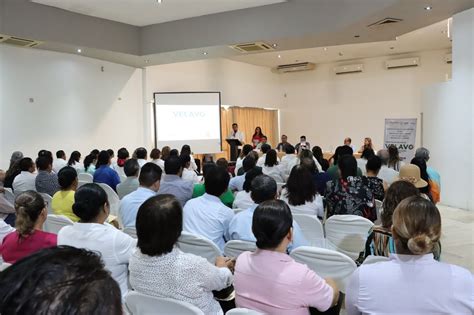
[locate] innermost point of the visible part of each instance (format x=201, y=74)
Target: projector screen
x=188, y=118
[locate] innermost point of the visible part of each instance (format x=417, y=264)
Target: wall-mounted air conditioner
x=294, y=67
x=349, y=69
x=402, y=63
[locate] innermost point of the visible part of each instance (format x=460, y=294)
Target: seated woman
x=272, y=167
x=31, y=213
x=300, y=193
x=412, y=282
x=366, y=155
x=122, y=157
x=243, y=199
x=104, y=173
x=432, y=189
x=63, y=200
x=89, y=166
x=270, y=281
x=246, y=149
x=350, y=194
x=257, y=137
x=376, y=185
x=319, y=156
x=159, y=268
x=320, y=178
x=74, y=160
x=92, y=233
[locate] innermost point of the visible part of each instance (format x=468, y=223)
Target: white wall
x=327, y=107
x=449, y=119
x=76, y=106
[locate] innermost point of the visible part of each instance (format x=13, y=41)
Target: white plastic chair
x=236, y=247
x=140, y=304
x=379, y=209
x=347, y=234
x=311, y=227
x=238, y=210
x=326, y=263
x=371, y=259
x=132, y=231
x=198, y=245
x=9, y=195
x=242, y=311
x=82, y=182
x=54, y=223
x=4, y=265
x=49, y=200
x=85, y=177
x=114, y=200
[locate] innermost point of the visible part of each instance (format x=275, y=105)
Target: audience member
x=307, y=153
x=263, y=188
x=269, y=280
x=420, y=281
x=46, y=181
x=149, y=180
x=365, y=156
x=263, y=141
x=367, y=145
x=412, y=174
x=350, y=194
x=130, y=184
x=376, y=185
x=26, y=180
x=264, y=148
x=348, y=142
x=255, y=156
x=272, y=168
x=389, y=175
x=227, y=198
x=281, y=146
x=155, y=156
x=90, y=162
x=165, y=154
x=257, y=136
x=92, y=233
x=243, y=200
x=5, y=229
x=186, y=150
x=289, y=160
x=237, y=183
x=122, y=156
x=159, y=268
x=246, y=149
x=31, y=213
x=207, y=215
x=188, y=173
x=141, y=155
x=320, y=179
x=303, y=144
x=432, y=189
x=394, y=160
x=104, y=173
x=174, y=152
x=222, y=162
x=424, y=154
x=319, y=156
x=112, y=156
x=64, y=199
x=13, y=169
x=172, y=182
x=59, y=280
x=300, y=193
x=60, y=161
x=341, y=151
x=74, y=160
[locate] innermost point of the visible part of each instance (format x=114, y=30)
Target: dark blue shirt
x=106, y=175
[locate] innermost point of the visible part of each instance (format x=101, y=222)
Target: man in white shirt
x=236, y=134
x=141, y=154
x=289, y=160
x=149, y=179
x=26, y=180
x=303, y=144
x=207, y=216
x=60, y=161
x=237, y=182
x=389, y=175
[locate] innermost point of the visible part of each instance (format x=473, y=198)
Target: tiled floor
x=458, y=237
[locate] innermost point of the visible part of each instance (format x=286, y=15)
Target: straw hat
x=411, y=173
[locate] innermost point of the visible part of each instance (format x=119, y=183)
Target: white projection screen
x=192, y=118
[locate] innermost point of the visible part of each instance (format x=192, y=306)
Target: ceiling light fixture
x=428, y=8
x=205, y=53
x=279, y=56
x=79, y=50
x=159, y=1
x=274, y=45
x=392, y=47
x=325, y=48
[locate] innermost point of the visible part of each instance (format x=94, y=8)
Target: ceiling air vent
x=17, y=41
x=385, y=21
x=402, y=63
x=349, y=69
x=294, y=67
x=252, y=47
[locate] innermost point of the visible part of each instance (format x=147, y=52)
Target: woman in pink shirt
x=28, y=238
x=270, y=281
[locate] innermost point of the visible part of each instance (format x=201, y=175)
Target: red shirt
x=14, y=249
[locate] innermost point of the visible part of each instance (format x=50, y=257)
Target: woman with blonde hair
x=411, y=282
x=367, y=145
x=31, y=213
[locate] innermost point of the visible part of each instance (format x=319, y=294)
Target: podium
x=234, y=148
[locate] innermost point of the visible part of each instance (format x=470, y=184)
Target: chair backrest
x=81, y=182
x=140, y=304
x=378, y=208
x=9, y=195
x=326, y=263
x=311, y=227
x=114, y=199
x=238, y=210
x=347, y=233
x=49, y=200
x=235, y=248
x=371, y=259
x=131, y=230
x=4, y=265
x=54, y=223
x=198, y=245
x=242, y=311
x=85, y=177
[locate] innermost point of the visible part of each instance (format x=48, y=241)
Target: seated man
x=60, y=161
x=237, y=182
x=227, y=198
x=46, y=181
x=141, y=155
x=269, y=280
x=130, y=184
x=289, y=160
x=281, y=146
x=263, y=188
x=149, y=179
x=172, y=182
x=387, y=174
x=207, y=215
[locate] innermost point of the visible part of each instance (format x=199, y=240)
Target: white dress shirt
x=190, y=175
x=237, y=183
x=261, y=160
x=160, y=163
x=410, y=284
x=315, y=207
x=59, y=164
x=288, y=162
x=141, y=162
x=389, y=175
x=5, y=229
x=361, y=163
x=114, y=246
x=130, y=203
x=276, y=172
x=239, y=135
x=23, y=182
x=242, y=200
x=180, y=276
x=238, y=164
x=120, y=171
x=209, y=217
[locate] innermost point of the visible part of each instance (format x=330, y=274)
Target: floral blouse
x=376, y=186
x=351, y=196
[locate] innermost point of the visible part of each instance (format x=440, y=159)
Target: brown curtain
x=248, y=118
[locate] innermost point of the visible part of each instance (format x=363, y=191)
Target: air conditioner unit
x=252, y=47
x=402, y=63
x=17, y=41
x=448, y=58
x=294, y=67
x=349, y=69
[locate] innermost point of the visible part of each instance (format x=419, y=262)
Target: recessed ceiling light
x=79, y=50
x=325, y=48
x=205, y=53
x=159, y=1
x=279, y=56
x=274, y=45
x=396, y=37
x=428, y=8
